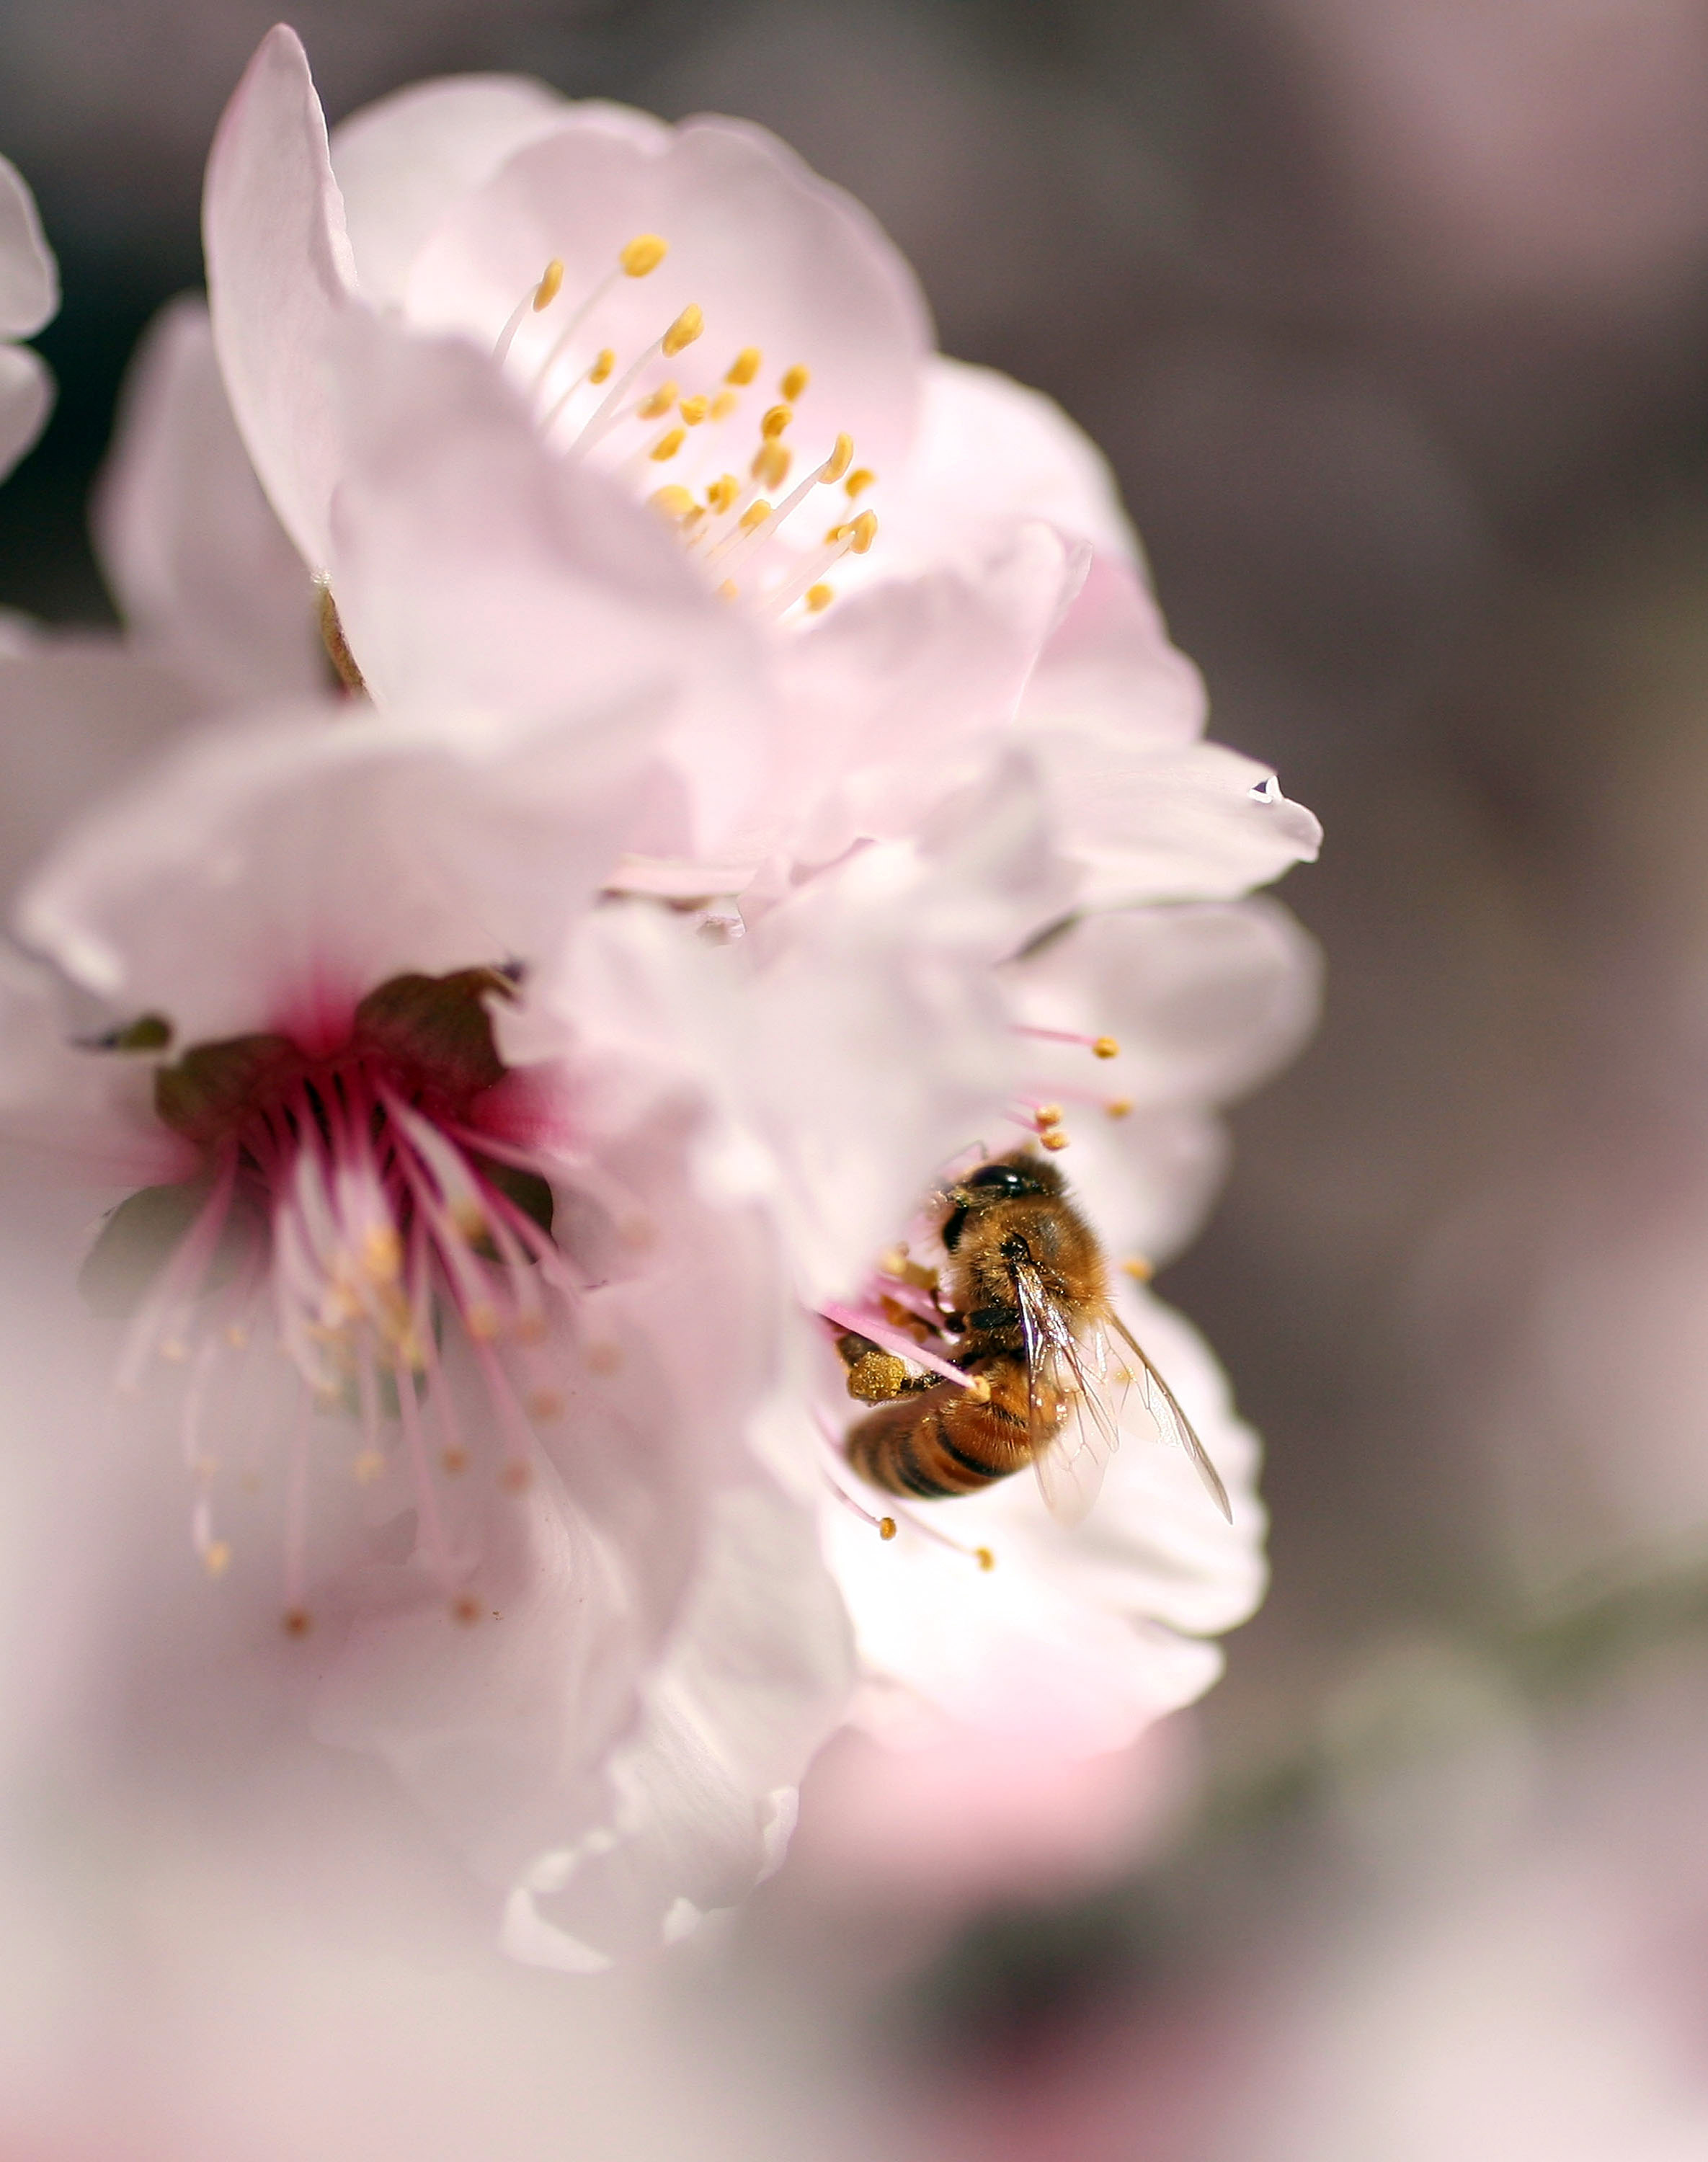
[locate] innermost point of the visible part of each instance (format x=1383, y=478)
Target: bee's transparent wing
x=1173, y=1425
x=1073, y=1403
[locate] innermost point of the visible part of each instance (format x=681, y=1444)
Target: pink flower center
x=363, y=1200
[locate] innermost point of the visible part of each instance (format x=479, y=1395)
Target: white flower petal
x=197, y=559
x=30, y=278
x=280, y=276
x=26, y=400
x=403, y=161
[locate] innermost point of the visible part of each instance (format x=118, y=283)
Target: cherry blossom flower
x=29, y=299
x=435, y=1285
x=663, y=315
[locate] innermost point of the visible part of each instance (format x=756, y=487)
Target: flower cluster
x=626, y=777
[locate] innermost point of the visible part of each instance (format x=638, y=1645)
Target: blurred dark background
x=1392, y=316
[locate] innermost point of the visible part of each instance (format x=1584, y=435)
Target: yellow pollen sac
x=819, y=598
x=516, y=1477
x=722, y=493
x=1048, y=1114
x=296, y=1621
x=1052, y=1137
x=667, y=446
x=755, y=514
x=865, y=532
x=643, y=254
x=465, y=1610
x=1118, y=1107
x=837, y=464
x=686, y=328
x=795, y=381
x=858, y=481
x=1138, y=1268
x=366, y=1467
x=602, y=366
x=984, y=1557
x=658, y=402
x=695, y=409
x=545, y=1404
x=724, y=404
x=886, y=1527
x=216, y=1557
x=674, y=503
x=1105, y=1047
x=744, y=366
x=550, y=283
x=382, y=1253
x=729, y=591
x=770, y=466
x=454, y=1462
x=775, y=421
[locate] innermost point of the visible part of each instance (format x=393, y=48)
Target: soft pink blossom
x=29, y=299
x=560, y=1597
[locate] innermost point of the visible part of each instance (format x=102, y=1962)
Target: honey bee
x=1028, y=1315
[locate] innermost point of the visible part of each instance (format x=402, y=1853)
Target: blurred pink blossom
x=29, y=299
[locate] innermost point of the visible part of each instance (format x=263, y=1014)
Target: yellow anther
x=893, y=1261
x=545, y=1404
x=771, y=464
x=1052, y=1137
x=1048, y=1114
x=216, y=1557
x=1138, y=1268
x=1105, y=1047
x=865, y=532
x=382, y=1253
x=777, y=419
x=729, y=591
x=1117, y=1107
x=643, y=254
x=516, y=1476
x=984, y=1557
x=296, y=1621
x=366, y=1467
x=546, y=291
x=657, y=402
x=796, y=381
x=724, y=404
x=470, y=1220
x=819, y=598
x=886, y=1527
x=695, y=409
x=668, y=445
x=602, y=366
x=722, y=493
x=860, y=480
x=979, y=1391
x=744, y=366
x=755, y=514
x=832, y=533
x=465, y=1610
x=686, y=328
x=454, y=1462
x=673, y=502
x=837, y=464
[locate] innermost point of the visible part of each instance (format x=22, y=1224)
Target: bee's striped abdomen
x=942, y=1441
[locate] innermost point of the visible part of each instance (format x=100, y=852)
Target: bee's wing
x=1173, y=1425
x=1073, y=1404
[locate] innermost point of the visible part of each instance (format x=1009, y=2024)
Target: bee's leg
x=875, y=1377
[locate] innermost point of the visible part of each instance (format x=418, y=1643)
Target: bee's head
x=1022, y=1176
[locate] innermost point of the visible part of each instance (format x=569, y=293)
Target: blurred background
x=1392, y=316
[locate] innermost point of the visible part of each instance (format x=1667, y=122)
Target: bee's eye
x=1003, y=1178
